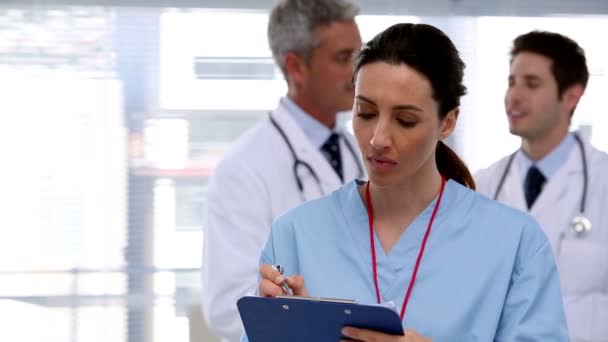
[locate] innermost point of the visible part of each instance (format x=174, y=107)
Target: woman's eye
x=406, y=123
x=365, y=116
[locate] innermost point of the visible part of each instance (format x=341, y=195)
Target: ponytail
x=452, y=167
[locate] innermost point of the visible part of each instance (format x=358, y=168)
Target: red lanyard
x=370, y=212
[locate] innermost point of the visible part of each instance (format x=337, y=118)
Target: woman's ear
x=448, y=123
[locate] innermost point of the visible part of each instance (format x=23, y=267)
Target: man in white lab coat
x=556, y=175
x=297, y=153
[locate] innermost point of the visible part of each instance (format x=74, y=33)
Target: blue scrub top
x=487, y=274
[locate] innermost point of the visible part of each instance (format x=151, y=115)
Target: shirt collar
x=549, y=165
x=315, y=131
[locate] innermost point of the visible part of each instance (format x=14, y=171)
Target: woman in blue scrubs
x=457, y=266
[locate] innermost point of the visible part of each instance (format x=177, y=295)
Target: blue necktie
x=533, y=185
x=331, y=151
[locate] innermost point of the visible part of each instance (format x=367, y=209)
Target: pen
x=284, y=285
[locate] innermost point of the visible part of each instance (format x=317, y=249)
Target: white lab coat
x=582, y=262
x=251, y=187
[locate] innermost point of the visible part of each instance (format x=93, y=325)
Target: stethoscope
x=580, y=224
x=297, y=162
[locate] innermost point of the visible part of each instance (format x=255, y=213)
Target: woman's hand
x=272, y=279
x=374, y=336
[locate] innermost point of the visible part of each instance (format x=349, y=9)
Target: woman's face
x=396, y=122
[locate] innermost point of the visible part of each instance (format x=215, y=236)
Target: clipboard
x=305, y=319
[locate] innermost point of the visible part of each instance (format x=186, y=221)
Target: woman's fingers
x=273, y=283
x=269, y=289
x=357, y=334
x=272, y=279
x=269, y=272
x=296, y=283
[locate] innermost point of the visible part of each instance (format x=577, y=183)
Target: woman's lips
x=381, y=164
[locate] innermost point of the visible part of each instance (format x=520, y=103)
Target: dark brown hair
x=429, y=51
x=569, y=65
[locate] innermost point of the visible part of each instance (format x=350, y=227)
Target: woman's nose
x=381, y=138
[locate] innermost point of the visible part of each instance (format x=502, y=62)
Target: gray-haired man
x=296, y=154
